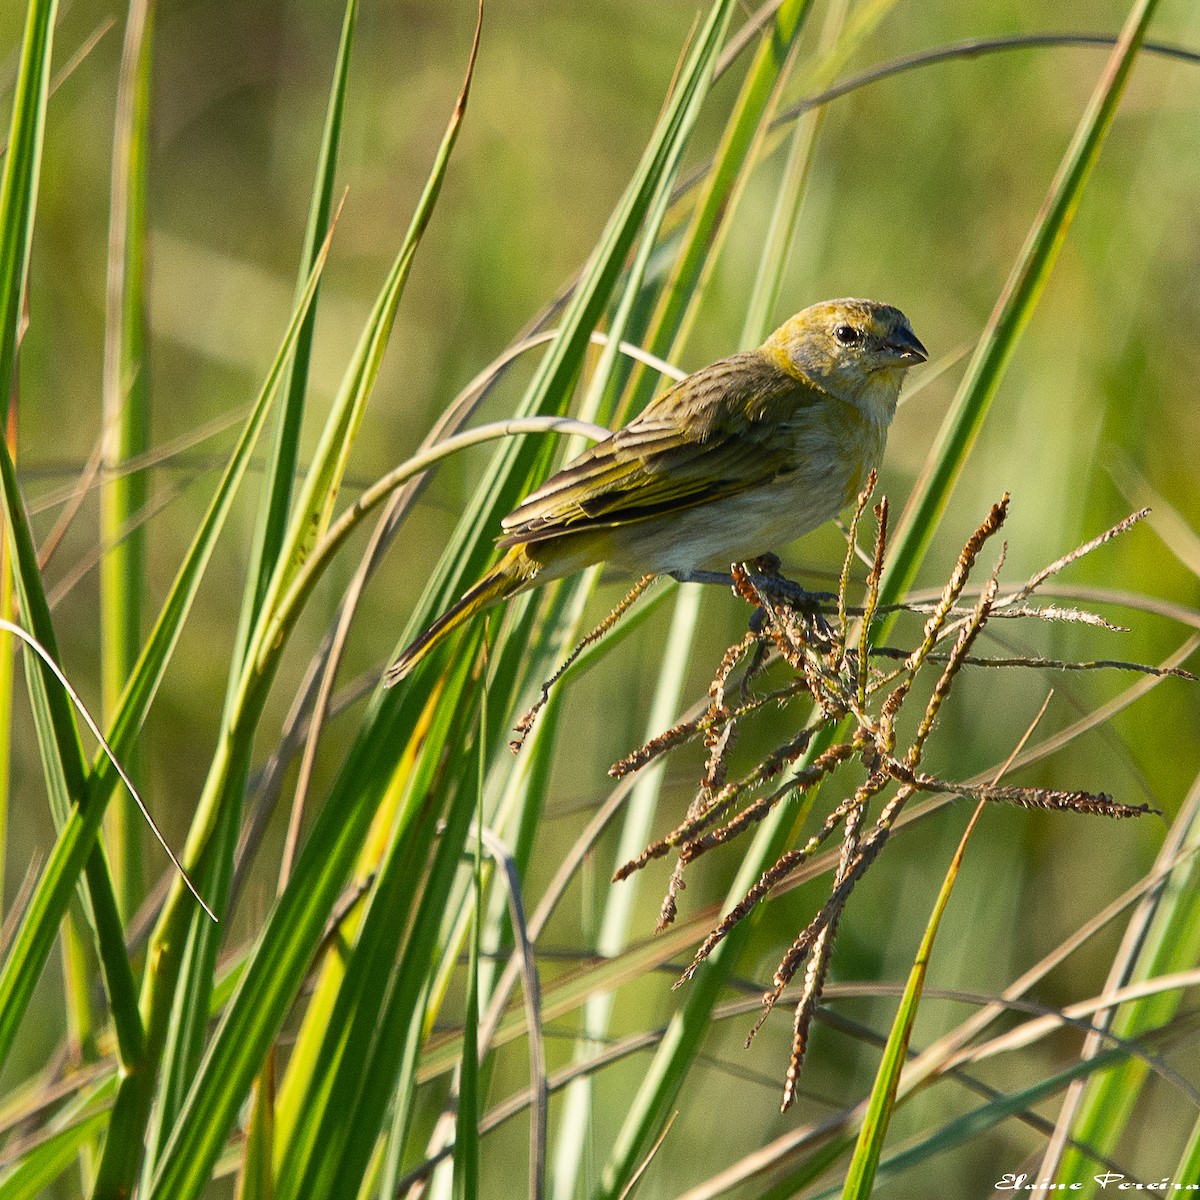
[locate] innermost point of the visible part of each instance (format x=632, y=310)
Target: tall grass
x=419, y=979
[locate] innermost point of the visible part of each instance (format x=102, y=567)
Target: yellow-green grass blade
x=126, y=430
x=122, y=1157
x=19, y=180
x=281, y=467
x=966, y=1128
x=18, y=190
x=860, y=1177
x=7, y=664
x=285, y=950
x=963, y=1129
x=256, y=1177
x=308, y=1161
x=714, y=212
x=1012, y=312
x=466, y=1126
x=606, y=382
x=740, y=142
x=58, y=737
x=1189, y=1161
x=777, y=245
x=615, y=922
x=318, y=496
x=367, y=1119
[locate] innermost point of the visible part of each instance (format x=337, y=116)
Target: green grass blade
x=58, y=736
x=860, y=1177
x=7, y=665
x=281, y=960
x=18, y=184
x=41, y=1167
x=1189, y=1161
x=256, y=1179
x=281, y=467
x=18, y=193
x=957, y=1132
x=358, y=1129
x=781, y=232
x=987, y=1116
x=1012, y=312
x=743, y=135
x=318, y=496
x=466, y=1127
x=619, y=906
x=126, y=431
x=148, y=674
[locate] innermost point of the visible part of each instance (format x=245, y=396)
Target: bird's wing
x=711, y=436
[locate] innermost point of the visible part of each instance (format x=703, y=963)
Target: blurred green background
x=922, y=191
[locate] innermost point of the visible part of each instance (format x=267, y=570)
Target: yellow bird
x=741, y=456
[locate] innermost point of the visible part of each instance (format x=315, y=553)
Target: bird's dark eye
x=848, y=335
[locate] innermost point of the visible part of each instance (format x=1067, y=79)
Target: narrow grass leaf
x=284, y=458
x=126, y=429
x=1012, y=313
x=860, y=1177
x=466, y=1130
x=57, y=734
x=42, y=1166
x=19, y=181
x=190, y=1004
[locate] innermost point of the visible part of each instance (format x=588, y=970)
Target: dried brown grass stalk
x=525, y=724
x=857, y=691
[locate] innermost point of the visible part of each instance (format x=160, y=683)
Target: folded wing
x=713, y=435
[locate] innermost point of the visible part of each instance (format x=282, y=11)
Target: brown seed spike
x=855, y=706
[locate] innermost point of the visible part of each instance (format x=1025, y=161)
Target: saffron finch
x=739, y=457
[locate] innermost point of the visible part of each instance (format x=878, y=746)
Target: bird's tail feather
x=509, y=575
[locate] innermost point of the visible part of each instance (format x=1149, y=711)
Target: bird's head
x=857, y=350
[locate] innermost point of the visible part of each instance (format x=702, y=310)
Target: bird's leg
x=768, y=577
x=764, y=573
x=719, y=577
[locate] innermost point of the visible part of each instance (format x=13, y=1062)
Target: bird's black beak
x=905, y=345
